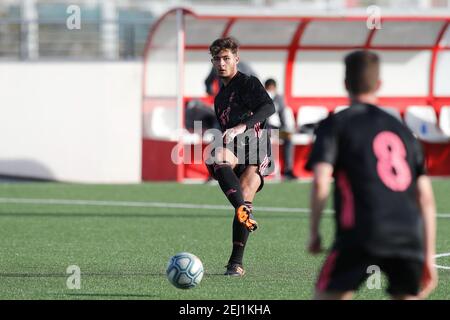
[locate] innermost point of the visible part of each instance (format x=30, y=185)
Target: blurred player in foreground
x=243, y=157
x=384, y=203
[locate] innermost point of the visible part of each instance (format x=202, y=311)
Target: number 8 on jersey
x=392, y=167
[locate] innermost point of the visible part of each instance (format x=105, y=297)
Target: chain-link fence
x=53, y=39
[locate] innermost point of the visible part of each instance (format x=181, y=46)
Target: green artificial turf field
x=122, y=236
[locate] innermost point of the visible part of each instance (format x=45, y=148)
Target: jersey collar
x=231, y=81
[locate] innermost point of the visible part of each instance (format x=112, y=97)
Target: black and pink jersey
x=376, y=161
x=243, y=100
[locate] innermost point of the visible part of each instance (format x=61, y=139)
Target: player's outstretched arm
x=261, y=113
x=425, y=199
x=319, y=194
x=258, y=101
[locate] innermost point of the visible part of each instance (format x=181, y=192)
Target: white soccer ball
x=184, y=270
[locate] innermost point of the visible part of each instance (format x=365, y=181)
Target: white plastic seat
x=161, y=122
x=301, y=139
x=308, y=115
x=311, y=114
x=444, y=120
x=191, y=138
x=162, y=125
x=274, y=120
x=422, y=121
x=208, y=137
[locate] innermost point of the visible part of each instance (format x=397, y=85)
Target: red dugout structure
x=304, y=54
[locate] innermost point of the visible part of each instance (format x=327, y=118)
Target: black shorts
x=346, y=270
x=251, y=150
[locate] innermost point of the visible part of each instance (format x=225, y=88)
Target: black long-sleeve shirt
x=243, y=100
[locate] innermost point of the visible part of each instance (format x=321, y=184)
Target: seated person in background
x=278, y=121
x=196, y=110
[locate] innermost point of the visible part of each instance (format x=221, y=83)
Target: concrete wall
x=71, y=121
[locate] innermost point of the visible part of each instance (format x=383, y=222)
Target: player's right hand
x=231, y=133
x=429, y=279
x=315, y=244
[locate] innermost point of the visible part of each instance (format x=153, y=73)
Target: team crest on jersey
x=230, y=100
x=225, y=116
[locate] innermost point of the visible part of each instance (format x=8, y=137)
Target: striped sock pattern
x=249, y=205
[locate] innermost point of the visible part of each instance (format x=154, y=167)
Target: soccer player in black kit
x=243, y=157
x=384, y=203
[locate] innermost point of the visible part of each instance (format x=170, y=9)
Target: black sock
x=229, y=183
x=240, y=236
x=249, y=205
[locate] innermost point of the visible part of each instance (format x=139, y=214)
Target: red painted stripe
x=433, y=61
x=347, y=218
x=369, y=38
x=228, y=27
x=291, y=57
x=409, y=18
x=327, y=269
x=149, y=44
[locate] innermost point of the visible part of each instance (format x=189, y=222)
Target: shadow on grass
x=110, y=295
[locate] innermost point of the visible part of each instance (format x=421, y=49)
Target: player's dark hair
x=362, y=71
x=222, y=44
x=270, y=82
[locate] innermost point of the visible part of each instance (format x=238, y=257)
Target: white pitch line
x=146, y=204
x=143, y=204
x=442, y=267
x=440, y=256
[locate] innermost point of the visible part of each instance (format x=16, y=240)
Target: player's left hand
x=315, y=244
x=429, y=278
x=231, y=133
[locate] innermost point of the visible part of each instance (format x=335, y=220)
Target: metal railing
x=24, y=40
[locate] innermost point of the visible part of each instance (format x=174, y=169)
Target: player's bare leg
x=329, y=295
x=250, y=182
